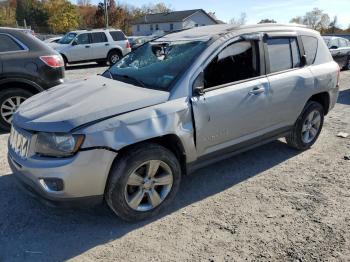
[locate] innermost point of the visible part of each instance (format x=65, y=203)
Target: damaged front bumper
x=82, y=177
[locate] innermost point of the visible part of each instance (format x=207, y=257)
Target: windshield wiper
x=133, y=79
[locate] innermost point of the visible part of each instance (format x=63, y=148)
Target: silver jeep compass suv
x=173, y=105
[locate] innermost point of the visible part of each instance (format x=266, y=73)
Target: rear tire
x=120, y=192
x=308, y=127
x=10, y=99
x=114, y=56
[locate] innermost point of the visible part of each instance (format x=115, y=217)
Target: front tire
x=10, y=100
x=308, y=127
x=143, y=181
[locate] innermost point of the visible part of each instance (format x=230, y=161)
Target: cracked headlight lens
x=58, y=145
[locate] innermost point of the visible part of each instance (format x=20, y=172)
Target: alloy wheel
x=311, y=126
x=10, y=106
x=148, y=185
x=115, y=58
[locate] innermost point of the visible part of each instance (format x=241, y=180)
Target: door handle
x=87, y=46
x=257, y=91
x=106, y=44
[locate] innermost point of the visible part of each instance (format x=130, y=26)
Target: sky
x=280, y=10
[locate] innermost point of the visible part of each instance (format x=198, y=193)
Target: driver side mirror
x=74, y=43
x=198, y=85
x=333, y=47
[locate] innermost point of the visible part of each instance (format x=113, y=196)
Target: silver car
x=173, y=105
x=98, y=45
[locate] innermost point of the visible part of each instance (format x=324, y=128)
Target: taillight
x=128, y=45
x=338, y=76
x=53, y=60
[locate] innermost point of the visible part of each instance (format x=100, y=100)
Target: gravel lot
x=271, y=203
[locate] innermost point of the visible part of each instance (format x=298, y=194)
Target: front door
x=235, y=100
x=80, y=49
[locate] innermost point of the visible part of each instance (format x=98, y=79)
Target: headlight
x=58, y=145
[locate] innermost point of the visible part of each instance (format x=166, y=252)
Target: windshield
x=67, y=39
x=156, y=64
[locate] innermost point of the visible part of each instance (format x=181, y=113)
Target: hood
x=80, y=102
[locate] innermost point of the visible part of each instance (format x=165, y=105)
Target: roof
x=176, y=16
x=206, y=32
x=94, y=30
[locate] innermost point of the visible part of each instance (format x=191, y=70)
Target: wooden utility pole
x=106, y=12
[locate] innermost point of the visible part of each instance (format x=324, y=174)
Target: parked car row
x=27, y=67
x=173, y=105
x=340, y=50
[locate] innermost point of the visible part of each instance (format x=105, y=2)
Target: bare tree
x=84, y=2
x=297, y=20
x=333, y=26
x=213, y=15
x=315, y=19
x=155, y=8
x=242, y=20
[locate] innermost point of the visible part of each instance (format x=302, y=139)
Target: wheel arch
x=119, y=50
x=64, y=57
x=170, y=141
x=322, y=98
x=24, y=84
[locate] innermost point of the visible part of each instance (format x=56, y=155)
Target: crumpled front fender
x=171, y=118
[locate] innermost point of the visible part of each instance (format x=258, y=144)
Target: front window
x=236, y=62
x=83, y=39
x=156, y=64
x=67, y=39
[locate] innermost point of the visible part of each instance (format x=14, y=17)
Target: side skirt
x=237, y=149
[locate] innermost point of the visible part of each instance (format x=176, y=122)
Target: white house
x=171, y=21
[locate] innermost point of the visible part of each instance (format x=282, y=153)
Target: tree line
x=60, y=16
x=316, y=19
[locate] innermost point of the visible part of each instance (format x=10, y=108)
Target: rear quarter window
x=310, y=46
x=7, y=44
x=118, y=36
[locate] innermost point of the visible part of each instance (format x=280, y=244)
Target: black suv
x=27, y=67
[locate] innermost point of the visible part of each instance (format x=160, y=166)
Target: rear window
x=98, y=37
x=283, y=54
x=310, y=46
x=118, y=36
x=7, y=44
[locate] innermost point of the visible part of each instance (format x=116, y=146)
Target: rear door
x=11, y=62
x=99, y=45
x=235, y=100
x=290, y=81
x=80, y=50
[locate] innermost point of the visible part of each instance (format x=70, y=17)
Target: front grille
x=19, y=142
